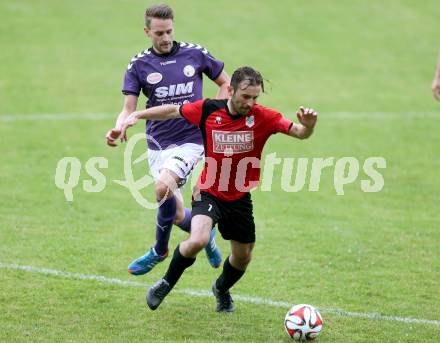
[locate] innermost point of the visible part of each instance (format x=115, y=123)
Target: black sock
x=228, y=277
x=177, y=266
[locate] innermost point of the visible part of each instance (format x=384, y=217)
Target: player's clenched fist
x=112, y=136
x=307, y=117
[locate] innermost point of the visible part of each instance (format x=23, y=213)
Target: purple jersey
x=173, y=78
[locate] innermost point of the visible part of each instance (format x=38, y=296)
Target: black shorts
x=235, y=219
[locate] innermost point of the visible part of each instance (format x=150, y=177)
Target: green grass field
x=365, y=66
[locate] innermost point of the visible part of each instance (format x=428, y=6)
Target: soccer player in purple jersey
x=169, y=73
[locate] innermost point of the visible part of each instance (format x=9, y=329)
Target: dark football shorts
x=235, y=219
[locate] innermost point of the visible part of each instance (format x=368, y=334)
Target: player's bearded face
x=161, y=33
x=244, y=98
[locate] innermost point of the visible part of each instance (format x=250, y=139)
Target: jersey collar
x=176, y=47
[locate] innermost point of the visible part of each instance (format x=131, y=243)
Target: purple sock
x=185, y=225
x=165, y=218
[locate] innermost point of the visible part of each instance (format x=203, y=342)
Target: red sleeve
x=276, y=122
x=282, y=125
x=192, y=112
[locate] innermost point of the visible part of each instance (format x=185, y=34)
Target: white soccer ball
x=303, y=322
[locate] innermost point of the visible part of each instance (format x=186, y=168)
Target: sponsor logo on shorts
x=232, y=142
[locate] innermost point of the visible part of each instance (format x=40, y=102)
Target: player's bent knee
x=198, y=243
x=241, y=261
x=162, y=191
x=246, y=260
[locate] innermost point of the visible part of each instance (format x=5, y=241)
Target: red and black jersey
x=233, y=145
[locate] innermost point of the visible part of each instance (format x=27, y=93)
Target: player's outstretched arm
x=130, y=103
x=307, y=118
x=163, y=112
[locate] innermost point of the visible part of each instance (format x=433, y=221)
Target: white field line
x=290, y=113
x=56, y=117
x=202, y=293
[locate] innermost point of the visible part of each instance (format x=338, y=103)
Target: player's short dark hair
x=161, y=11
x=247, y=75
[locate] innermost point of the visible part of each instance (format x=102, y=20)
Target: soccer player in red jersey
x=234, y=132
